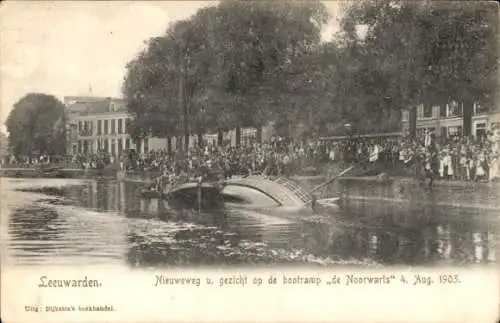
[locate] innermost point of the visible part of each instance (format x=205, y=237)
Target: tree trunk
x=413, y=121
x=183, y=107
x=186, y=142
x=238, y=136
x=178, y=143
x=138, y=145
x=200, y=139
x=259, y=134
x=220, y=137
x=169, y=144
x=467, y=111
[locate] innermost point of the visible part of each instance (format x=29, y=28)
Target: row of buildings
x=446, y=120
x=100, y=124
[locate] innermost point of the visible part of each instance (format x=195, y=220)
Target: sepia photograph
x=240, y=160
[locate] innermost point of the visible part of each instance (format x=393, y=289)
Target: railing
x=295, y=188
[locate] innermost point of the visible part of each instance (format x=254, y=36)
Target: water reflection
x=103, y=221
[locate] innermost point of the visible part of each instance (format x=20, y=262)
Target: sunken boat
x=273, y=196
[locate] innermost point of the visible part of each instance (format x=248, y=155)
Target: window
x=453, y=131
x=442, y=110
x=406, y=115
x=120, y=126
x=480, y=109
x=120, y=146
x=427, y=113
x=420, y=111
x=113, y=123
x=146, y=145
x=113, y=147
x=248, y=195
x=247, y=136
x=454, y=109
x=87, y=128
x=127, y=122
x=127, y=143
x=480, y=130
x=106, y=123
x=99, y=127
x=444, y=132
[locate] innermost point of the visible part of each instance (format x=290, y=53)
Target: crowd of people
x=450, y=158
x=455, y=157
x=277, y=158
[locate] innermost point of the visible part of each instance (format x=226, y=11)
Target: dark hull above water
x=186, y=196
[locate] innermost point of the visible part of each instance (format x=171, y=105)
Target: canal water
x=85, y=222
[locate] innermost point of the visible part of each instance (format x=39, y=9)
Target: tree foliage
x=36, y=125
x=221, y=63
x=419, y=52
x=245, y=63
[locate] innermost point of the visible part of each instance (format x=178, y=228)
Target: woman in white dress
x=493, y=166
x=495, y=152
x=480, y=172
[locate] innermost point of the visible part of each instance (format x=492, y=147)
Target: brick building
x=446, y=120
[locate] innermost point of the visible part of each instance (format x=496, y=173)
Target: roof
x=93, y=105
x=69, y=99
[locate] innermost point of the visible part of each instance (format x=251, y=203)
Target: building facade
x=446, y=120
x=4, y=147
x=100, y=124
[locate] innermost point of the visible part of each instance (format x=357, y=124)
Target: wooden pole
x=333, y=178
x=199, y=195
x=340, y=174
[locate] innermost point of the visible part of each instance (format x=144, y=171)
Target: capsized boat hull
x=255, y=193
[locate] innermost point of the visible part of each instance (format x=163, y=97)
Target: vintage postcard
x=236, y=161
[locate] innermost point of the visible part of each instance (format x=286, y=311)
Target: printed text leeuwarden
x=68, y=283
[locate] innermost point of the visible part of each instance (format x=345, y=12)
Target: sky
x=67, y=48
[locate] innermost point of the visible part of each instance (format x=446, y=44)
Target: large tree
x=256, y=41
x=149, y=91
x=214, y=71
x=36, y=125
x=425, y=52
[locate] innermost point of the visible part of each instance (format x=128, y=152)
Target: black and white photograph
x=235, y=135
